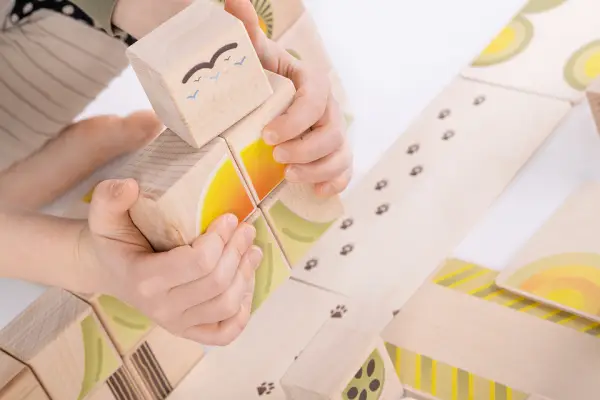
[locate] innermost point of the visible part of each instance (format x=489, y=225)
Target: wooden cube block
x=276, y=16
x=444, y=341
x=304, y=42
x=593, y=98
x=342, y=363
x=183, y=189
x=161, y=361
x=17, y=381
x=60, y=339
x=252, y=365
x=533, y=54
x=560, y=264
x=253, y=156
x=420, y=183
x=200, y=72
x=274, y=269
x=299, y=218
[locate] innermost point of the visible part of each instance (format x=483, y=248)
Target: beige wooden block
x=560, y=264
x=489, y=343
x=342, y=363
x=161, y=361
x=429, y=189
x=273, y=269
x=17, y=381
x=253, y=156
x=183, y=189
x=304, y=42
x=253, y=364
x=276, y=16
x=550, y=48
x=299, y=218
x=60, y=339
x=593, y=99
x=200, y=72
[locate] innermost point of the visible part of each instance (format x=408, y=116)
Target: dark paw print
x=412, y=149
x=448, y=135
x=395, y=312
x=382, y=209
x=347, y=223
x=311, y=264
x=478, y=100
x=444, y=114
x=382, y=184
x=416, y=170
x=265, y=388
x=347, y=249
x=374, y=383
x=339, y=311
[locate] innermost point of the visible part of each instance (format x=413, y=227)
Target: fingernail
x=256, y=256
x=326, y=189
x=231, y=220
x=116, y=189
x=250, y=233
x=280, y=155
x=291, y=173
x=269, y=136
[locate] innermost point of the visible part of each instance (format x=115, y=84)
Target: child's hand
x=202, y=292
x=310, y=136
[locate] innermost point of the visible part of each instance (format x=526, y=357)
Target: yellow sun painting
x=263, y=171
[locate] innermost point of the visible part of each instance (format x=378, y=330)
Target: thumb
x=109, y=210
x=245, y=12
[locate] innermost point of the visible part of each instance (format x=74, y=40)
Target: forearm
x=43, y=249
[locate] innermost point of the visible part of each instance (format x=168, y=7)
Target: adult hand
x=202, y=292
x=310, y=136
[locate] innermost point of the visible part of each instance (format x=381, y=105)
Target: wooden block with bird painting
x=252, y=155
x=161, y=361
x=200, y=72
x=59, y=337
x=298, y=217
x=273, y=269
x=275, y=17
x=343, y=363
x=183, y=189
x=17, y=381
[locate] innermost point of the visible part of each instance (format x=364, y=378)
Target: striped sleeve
x=100, y=11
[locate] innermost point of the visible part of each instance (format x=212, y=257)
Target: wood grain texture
x=17, y=381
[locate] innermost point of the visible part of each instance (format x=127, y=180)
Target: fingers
x=109, y=210
x=245, y=12
x=323, y=170
x=227, y=304
x=310, y=147
x=334, y=186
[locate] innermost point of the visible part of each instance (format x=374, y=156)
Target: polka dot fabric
x=24, y=8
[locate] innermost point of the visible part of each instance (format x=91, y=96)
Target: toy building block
x=200, y=72
x=560, y=264
x=303, y=41
x=17, y=381
x=183, y=189
x=60, y=339
x=419, y=184
x=253, y=156
x=274, y=269
x=443, y=342
x=593, y=98
x=342, y=363
x=299, y=217
x=275, y=17
x=161, y=361
x=253, y=364
x=531, y=53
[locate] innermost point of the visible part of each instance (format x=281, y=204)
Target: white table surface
x=394, y=57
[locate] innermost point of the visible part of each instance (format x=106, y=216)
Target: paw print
x=412, y=149
x=382, y=209
x=382, y=184
x=395, y=312
x=311, y=264
x=478, y=100
x=347, y=249
x=448, y=135
x=339, y=311
x=445, y=113
x=347, y=223
x=265, y=388
x=416, y=170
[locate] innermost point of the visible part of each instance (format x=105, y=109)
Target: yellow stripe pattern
x=479, y=282
x=446, y=382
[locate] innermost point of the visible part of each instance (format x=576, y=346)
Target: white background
x=393, y=58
